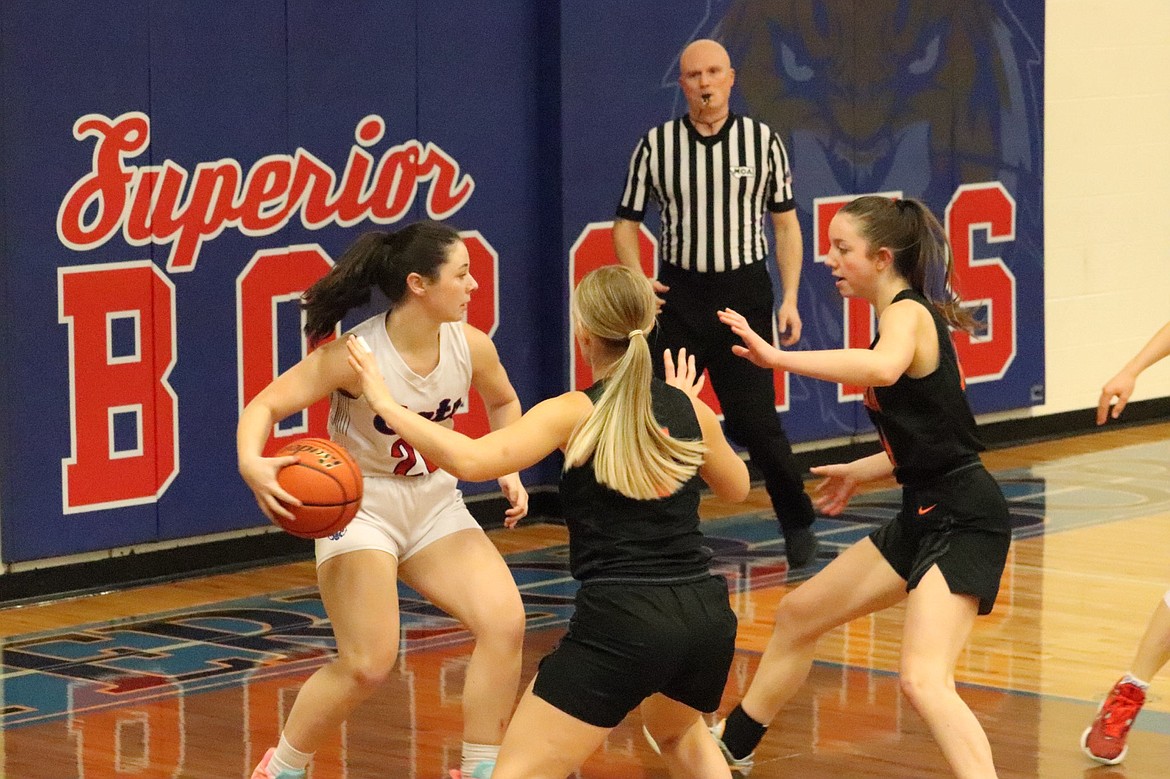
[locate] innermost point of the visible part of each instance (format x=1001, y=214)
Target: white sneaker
x=743, y=765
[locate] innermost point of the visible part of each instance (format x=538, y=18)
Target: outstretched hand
x=754, y=348
x=832, y=494
x=684, y=377
x=361, y=359
x=1115, y=393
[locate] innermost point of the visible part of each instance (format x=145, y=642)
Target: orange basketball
x=328, y=483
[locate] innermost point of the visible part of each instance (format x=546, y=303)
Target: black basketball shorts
x=628, y=641
x=960, y=523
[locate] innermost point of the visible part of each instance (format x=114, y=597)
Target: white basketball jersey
x=436, y=396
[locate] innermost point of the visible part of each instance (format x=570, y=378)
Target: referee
x=713, y=174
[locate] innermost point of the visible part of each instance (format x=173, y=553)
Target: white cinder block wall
x=1107, y=194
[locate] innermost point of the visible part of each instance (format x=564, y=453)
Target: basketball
x=326, y=480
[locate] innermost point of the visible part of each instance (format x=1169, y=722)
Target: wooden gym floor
x=192, y=678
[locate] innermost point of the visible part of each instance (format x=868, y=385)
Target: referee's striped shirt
x=712, y=192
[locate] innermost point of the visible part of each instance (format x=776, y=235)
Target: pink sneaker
x=261, y=771
x=482, y=771
x=1104, y=740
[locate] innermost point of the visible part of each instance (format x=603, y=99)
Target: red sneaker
x=1104, y=740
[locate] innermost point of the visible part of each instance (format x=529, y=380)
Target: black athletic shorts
x=960, y=523
x=628, y=641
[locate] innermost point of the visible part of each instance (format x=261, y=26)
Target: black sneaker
x=800, y=546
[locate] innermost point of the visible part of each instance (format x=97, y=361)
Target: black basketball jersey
x=614, y=538
x=925, y=424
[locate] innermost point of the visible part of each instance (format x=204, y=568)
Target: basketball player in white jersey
x=413, y=523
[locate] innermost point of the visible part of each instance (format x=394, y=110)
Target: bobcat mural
x=881, y=95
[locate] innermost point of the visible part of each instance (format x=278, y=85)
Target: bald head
x=706, y=76
x=704, y=50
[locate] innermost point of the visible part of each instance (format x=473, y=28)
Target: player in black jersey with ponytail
x=945, y=551
x=652, y=628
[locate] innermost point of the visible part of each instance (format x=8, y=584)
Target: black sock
x=741, y=734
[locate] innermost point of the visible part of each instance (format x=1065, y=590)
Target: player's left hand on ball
x=259, y=474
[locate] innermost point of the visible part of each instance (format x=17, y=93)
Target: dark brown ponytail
x=376, y=259
x=921, y=250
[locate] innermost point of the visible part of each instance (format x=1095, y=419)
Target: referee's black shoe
x=800, y=546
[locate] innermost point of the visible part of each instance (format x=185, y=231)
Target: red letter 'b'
x=125, y=447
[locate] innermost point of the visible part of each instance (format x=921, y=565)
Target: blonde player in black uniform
x=652, y=626
x=413, y=524
x=945, y=551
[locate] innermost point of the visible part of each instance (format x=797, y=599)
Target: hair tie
x=632, y=334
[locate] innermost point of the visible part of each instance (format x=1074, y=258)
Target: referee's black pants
x=745, y=391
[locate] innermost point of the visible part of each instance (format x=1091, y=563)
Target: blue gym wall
x=130, y=350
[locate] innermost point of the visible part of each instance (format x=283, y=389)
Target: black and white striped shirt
x=712, y=192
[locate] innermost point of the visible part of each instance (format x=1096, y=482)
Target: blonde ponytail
x=631, y=452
